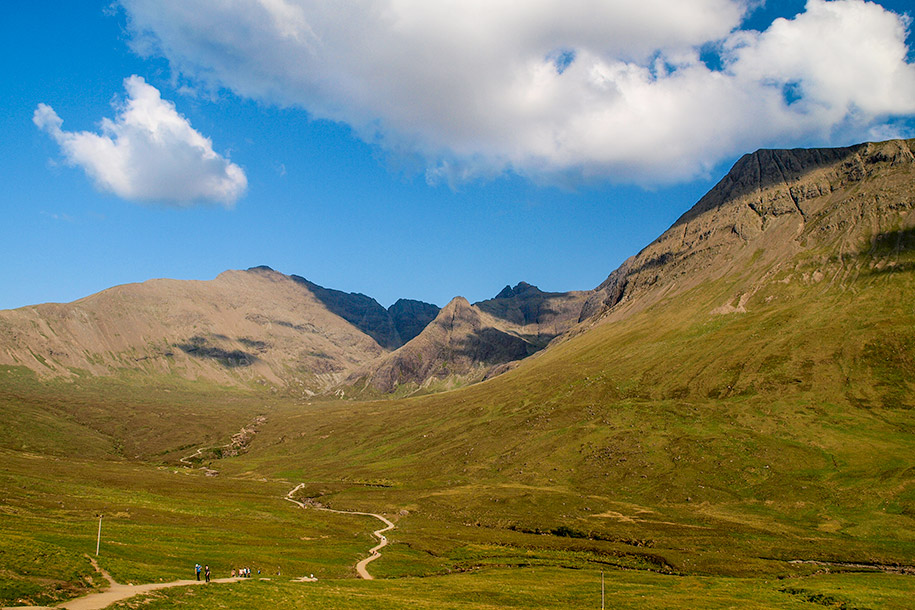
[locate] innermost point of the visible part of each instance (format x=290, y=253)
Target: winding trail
x=116, y=592
x=186, y=460
x=374, y=551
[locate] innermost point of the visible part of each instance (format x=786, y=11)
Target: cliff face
x=363, y=312
x=771, y=206
x=537, y=316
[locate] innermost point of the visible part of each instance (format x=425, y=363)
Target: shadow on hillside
x=892, y=242
x=199, y=347
x=906, y=267
x=525, y=309
x=884, y=250
x=491, y=346
x=363, y=312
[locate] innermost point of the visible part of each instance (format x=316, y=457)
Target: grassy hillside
x=729, y=440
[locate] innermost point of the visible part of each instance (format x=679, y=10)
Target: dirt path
x=186, y=460
x=374, y=551
x=116, y=592
x=876, y=567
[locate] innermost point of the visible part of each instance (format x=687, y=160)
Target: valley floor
x=716, y=466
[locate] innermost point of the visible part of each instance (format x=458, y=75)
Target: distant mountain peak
x=455, y=304
x=411, y=317
x=519, y=289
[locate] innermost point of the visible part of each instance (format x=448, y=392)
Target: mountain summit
x=771, y=206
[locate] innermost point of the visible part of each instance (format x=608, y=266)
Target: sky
x=407, y=148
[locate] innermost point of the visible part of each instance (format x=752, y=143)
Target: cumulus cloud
x=148, y=152
x=550, y=89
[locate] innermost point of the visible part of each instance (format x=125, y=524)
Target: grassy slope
x=549, y=588
x=70, y=451
x=783, y=433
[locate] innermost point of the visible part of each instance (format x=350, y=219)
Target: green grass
x=157, y=523
x=540, y=587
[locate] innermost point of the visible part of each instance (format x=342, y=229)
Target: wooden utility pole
x=601, y=590
x=98, y=541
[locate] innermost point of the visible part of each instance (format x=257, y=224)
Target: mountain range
x=259, y=326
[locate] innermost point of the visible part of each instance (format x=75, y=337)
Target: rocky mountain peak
x=260, y=268
x=771, y=205
x=768, y=169
x=519, y=289
x=456, y=304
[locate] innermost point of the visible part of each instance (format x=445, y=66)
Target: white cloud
x=149, y=152
x=550, y=89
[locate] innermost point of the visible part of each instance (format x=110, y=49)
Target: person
x=233, y=572
x=206, y=572
x=197, y=569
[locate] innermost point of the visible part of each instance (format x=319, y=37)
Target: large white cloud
x=149, y=152
x=548, y=88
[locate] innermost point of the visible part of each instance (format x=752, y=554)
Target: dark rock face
x=411, y=317
x=537, y=316
x=363, y=312
x=391, y=328
x=520, y=289
x=608, y=294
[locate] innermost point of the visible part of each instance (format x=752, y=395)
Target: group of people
x=240, y=573
x=243, y=572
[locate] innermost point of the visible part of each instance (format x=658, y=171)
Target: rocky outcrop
x=533, y=314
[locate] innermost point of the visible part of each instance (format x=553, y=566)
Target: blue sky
x=366, y=171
